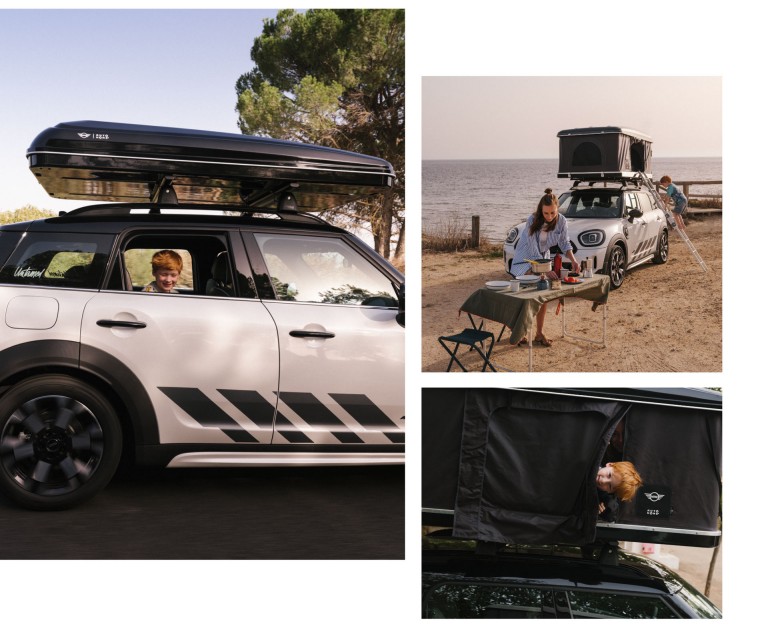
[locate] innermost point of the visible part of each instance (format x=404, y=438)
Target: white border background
x=380, y=601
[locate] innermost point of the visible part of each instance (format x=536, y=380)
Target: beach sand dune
x=664, y=318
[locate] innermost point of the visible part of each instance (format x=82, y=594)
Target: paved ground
x=694, y=567
x=251, y=513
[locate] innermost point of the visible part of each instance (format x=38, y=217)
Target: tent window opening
x=587, y=154
x=637, y=157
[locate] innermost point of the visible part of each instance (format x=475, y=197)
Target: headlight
x=512, y=235
x=592, y=237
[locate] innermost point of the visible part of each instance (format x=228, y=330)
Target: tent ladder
x=671, y=220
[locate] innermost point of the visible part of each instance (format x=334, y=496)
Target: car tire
x=616, y=265
x=662, y=248
x=60, y=442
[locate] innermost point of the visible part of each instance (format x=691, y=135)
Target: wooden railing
x=685, y=186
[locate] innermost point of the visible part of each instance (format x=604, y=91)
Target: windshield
x=592, y=204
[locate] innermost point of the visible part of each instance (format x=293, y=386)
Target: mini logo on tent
x=654, y=496
x=83, y=135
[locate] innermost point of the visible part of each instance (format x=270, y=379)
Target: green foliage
x=25, y=213
x=63, y=261
x=334, y=77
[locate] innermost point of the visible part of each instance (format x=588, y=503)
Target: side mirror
x=634, y=214
x=401, y=306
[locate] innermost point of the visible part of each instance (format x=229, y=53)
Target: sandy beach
x=664, y=318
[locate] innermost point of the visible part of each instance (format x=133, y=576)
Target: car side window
x=63, y=260
x=206, y=265
x=645, y=202
x=630, y=201
x=323, y=270
x=491, y=601
x=8, y=241
x=138, y=263
x=593, y=604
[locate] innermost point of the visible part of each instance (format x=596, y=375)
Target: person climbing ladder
x=675, y=197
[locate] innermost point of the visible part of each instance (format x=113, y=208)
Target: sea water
x=505, y=192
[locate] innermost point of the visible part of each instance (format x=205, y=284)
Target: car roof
x=610, y=188
x=113, y=218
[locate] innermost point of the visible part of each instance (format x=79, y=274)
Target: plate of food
x=572, y=280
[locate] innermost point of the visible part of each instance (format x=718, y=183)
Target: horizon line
x=707, y=156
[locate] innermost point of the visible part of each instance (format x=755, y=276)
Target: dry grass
x=706, y=202
x=452, y=235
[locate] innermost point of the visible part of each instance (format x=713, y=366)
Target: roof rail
x=118, y=209
x=624, y=181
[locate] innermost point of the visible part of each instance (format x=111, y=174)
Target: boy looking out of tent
x=616, y=482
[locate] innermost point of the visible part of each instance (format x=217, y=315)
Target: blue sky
x=155, y=67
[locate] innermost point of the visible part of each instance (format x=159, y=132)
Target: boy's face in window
x=608, y=479
x=166, y=279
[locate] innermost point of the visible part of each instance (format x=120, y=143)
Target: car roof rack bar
x=261, y=199
x=122, y=209
x=624, y=181
x=163, y=192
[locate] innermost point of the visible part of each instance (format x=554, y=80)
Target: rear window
x=61, y=260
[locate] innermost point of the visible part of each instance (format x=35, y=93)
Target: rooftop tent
x=506, y=465
x=603, y=152
x=96, y=161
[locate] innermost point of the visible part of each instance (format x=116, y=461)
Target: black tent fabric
x=508, y=465
x=603, y=150
x=528, y=464
x=441, y=446
x=678, y=453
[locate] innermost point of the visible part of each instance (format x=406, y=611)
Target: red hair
x=168, y=260
x=630, y=480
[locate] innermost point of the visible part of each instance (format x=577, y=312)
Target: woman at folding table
x=545, y=228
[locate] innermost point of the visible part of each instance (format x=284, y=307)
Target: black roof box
x=608, y=152
x=97, y=161
x=519, y=465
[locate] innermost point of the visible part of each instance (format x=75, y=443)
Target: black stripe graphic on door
x=363, y=410
x=195, y=403
x=255, y=407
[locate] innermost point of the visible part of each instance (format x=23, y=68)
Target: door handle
x=311, y=334
x=122, y=323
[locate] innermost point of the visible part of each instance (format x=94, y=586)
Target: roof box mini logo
x=97, y=137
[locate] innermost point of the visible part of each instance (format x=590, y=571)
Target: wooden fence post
x=474, y=241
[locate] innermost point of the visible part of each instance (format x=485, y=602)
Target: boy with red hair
x=616, y=482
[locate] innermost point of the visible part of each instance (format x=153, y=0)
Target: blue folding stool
x=474, y=339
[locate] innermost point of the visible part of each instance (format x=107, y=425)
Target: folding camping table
x=517, y=311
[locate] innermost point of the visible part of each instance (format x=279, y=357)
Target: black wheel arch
x=95, y=367
x=619, y=240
